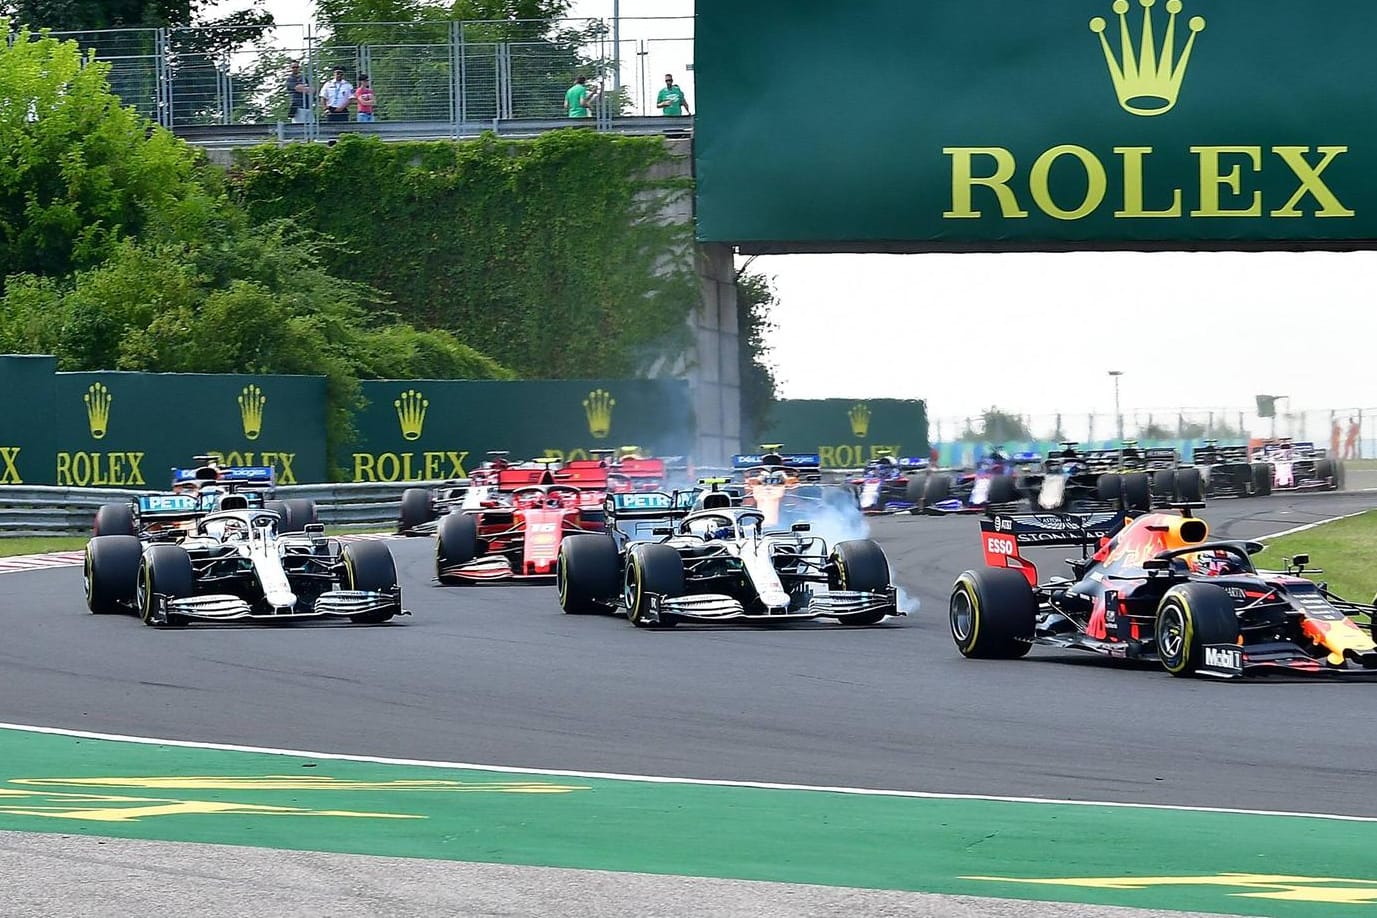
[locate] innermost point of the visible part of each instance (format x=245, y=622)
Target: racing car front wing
x=714, y=607
x=226, y=607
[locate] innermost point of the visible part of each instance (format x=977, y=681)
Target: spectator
x=1351, y=442
x=364, y=99
x=578, y=101
x=299, y=92
x=671, y=100
x=336, y=95
x=1334, y=434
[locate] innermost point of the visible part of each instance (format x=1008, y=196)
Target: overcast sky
x=1037, y=334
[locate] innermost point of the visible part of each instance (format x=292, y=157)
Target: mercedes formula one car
x=235, y=565
x=1155, y=588
x=664, y=560
x=195, y=492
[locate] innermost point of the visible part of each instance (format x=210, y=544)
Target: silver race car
x=709, y=560
x=235, y=565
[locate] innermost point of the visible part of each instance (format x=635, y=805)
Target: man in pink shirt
x=364, y=98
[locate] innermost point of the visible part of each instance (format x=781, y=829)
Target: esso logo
x=997, y=545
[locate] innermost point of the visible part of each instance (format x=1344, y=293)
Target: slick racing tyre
x=1190, y=616
x=416, y=510
x=369, y=566
x=165, y=571
x=651, y=569
x=1190, y=486
x=1138, y=492
x=114, y=520
x=1164, y=485
x=1110, y=488
x=993, y=614
x=859, y=565
x=1325, y=471
x=1002, y=490
x=111, y=573
x=298, y=514
x=936, y=488
x=456, y=542
x=587, y=574
x=1262, y=479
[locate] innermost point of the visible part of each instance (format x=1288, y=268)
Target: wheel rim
x=1171, y=636
x=562, y=581
x=630, y=589
x=86, y=577
x=962, y=616
x=141, y=594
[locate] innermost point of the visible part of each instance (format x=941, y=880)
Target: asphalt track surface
x=497, y=675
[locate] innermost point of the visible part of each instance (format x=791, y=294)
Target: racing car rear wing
x=1003, y=536
x=508, y=479
x=811, y=461
x=585, y=474
x=235, y=475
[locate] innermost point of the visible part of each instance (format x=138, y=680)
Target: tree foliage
x=550, y=254
x=998, y=427
x=755, y=298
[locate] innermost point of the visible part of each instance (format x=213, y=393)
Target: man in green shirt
x=671, y=99
x=578, y=101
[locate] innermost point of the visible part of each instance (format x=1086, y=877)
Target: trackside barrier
x=49, y=511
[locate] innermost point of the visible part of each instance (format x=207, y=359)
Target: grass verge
x=1345, y=550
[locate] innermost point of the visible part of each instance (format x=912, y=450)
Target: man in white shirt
x=336, y=95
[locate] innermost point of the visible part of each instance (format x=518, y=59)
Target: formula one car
x=883, y=485
x=1156, y=588
x=787, y=487
x=234, y=565
x=516, y=528
x=195, y=492
x=1227, y=471
x=1301, y=466
x=1076, y=480
x=992, y=485
x=1170, y=480
x=713, y=562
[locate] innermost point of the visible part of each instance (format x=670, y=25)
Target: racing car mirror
x=802, y=527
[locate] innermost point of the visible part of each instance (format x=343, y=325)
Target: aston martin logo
x=1147, y=81
x=598, y=407
x=251, y=402
x=98, y=399
x=411, y=413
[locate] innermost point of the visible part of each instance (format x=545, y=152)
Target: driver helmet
x=721, y=532
x=1216, y=563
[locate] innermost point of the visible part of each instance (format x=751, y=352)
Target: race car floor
x=497, y=676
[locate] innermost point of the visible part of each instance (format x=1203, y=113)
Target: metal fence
x=1350, y=432
x=45, y=511
x=436, y=71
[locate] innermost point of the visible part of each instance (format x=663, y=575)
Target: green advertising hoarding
x=112, y=429
x=991, y=125
x=848, y=433
x=416, y=430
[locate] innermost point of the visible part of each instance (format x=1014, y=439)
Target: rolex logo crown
x=251, y=402
x=860, y=419
x=98, y=399
x=598, y=406
x=411, y=412
x=1147, y=80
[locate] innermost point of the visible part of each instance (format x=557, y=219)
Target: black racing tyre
x=1164, y=485
x=588, y=574
x=936, y=488
x=1340, y=475
x=1002, y=490
x=993, y=614
x=165, y=571
x=416, y=509
x=112, y=573
x=296, y=514
x=1262, y=479
x=1110, y=488
x=1138, y=492
x=860, y=565
x=114, y=520
x=913, y=492
x=456, y=542
x=1324, y=471
x=1190, y=616
x=369, y=566
x=1190, y=485
x=651, y=569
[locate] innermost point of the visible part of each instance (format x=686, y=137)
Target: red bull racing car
x=1155, y=588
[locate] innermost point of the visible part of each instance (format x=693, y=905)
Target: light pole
x=617, y=48
x=1118, y=417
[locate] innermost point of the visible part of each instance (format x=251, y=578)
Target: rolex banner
x=848, y=433
x=991, y=125
x=414, y=430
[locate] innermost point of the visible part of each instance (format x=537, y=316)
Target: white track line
x=1309, y=526
x=658, y=779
